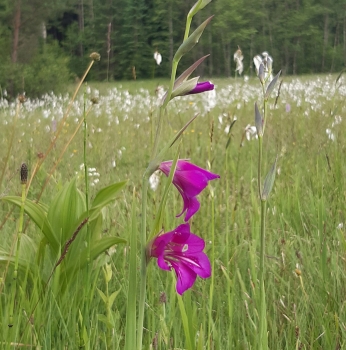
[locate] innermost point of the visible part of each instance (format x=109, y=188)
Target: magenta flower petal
x=183, y=251
x=185, y=277
x=190, y=180
x=202, y=87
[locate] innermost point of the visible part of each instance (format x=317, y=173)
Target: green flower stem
x=147, y=173
x=157, y=134
x=130, y=332
x=260, y=150
x=86, y=180
x=143, y=242
x=171, y=84
x=188, y=25
x=16, y=263
x=143, y=237
x=263, y=341
x=262, y=311
x=108, y=315
x=212, y=259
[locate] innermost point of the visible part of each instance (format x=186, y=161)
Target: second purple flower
x=190, y=180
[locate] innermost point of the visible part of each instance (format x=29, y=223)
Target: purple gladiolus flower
x=183, y=251
x=190, y=180
x=202, y=87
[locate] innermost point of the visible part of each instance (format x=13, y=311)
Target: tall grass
x=305, y=237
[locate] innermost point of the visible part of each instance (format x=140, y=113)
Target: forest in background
x=45, y=43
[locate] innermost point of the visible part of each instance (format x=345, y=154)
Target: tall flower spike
x=190, y=180
x=183, y=251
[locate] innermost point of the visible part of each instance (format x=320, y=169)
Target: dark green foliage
x=304, y=36
x=47, y=71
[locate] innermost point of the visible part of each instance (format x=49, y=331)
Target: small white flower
x=154, y=180
x=157, y=57
x=250, y=132
x=330, y=134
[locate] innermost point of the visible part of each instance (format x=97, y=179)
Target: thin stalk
x=130, y=330
x=143, y=285
x=62, y=123
x=187, y=27
x=259, y=176
x=263, y=340
x=171, y=84
x=263, y=313
x=108, y=313
x=56, y=163
x=15, y=272
x=212, y=259
x=10, y=143
x=88, y=239
x=157, y=134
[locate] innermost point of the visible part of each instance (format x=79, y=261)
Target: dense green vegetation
x=55, y=38
x=305, y=245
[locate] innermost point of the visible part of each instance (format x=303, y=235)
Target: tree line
x=51, y=40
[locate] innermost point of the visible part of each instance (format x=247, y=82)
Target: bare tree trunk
x=344, y=40
x=325, y=39
x=81, y=24
x=16, y=26
x=336, y=43
x=92, y=10
x=295, y=57
x=228, y=59
x=170, y=30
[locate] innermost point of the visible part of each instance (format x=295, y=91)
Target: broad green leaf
x=112, y=297
x=258, y=121
x=98, y=247
x=23, y=263
x=65, y=210
x=271, y=86
x=39, y=217
x=269, y=182
x=104, y=319
x=191, y=41
x=102, y=295
x=105, y=196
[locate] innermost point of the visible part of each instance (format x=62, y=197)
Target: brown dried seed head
x=21, y=98
x=95, y=56
x=163, y=298
x=94, y=100
x=23, y=174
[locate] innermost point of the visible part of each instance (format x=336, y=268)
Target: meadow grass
x=305, y=240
